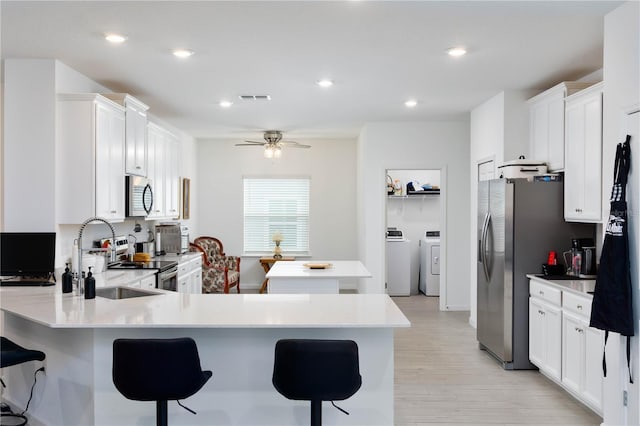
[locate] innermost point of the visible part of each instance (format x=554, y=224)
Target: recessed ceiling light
x=457, y=51
x=115, y=38
x=411, y=103
x=324, y=82
x=225, y=104
x=183, y=53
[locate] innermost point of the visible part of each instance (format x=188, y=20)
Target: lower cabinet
x=545, y=337
x=562, y=345
x=190, y=276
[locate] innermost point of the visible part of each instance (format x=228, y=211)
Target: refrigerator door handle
x=482, y=236
x=485, y=234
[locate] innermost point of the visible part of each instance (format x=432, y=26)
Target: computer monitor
x=27, y=253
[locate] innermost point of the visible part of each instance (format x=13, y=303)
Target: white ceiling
x=378, y=53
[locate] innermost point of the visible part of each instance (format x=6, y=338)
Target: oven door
x=168, y=280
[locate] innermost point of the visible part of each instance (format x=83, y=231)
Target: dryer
x=430, y=263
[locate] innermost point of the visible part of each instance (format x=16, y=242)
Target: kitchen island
x=235, y=334
x=321, y=278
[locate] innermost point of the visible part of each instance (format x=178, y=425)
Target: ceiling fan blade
x=295, y=144
x=249, y=144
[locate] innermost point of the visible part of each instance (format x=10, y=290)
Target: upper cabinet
x=163, y=172
x=135, y=134
x=547, y=122
x=89, y=158
x=583, y=156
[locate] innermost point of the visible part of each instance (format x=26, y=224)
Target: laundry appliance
x=430, y=263
x=398, y=263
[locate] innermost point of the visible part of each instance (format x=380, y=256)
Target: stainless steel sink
x=123, y=292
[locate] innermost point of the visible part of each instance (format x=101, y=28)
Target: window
x=276, y=205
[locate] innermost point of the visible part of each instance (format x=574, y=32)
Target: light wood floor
x=441, y=377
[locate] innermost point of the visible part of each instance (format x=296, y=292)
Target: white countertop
x=578, y=286
x=48, y=306
x=184, y=257
x=338, y=269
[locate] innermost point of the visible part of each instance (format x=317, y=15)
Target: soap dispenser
x=89, y=286
x=67, y=280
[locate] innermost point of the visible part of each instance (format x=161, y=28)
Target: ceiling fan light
x=268, y=152
x=277, y=152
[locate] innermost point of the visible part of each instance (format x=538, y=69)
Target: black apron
x=612, y=308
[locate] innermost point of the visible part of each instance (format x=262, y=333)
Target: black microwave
x=139, y=196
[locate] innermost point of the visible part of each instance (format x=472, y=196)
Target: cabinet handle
x=138, y=167
x=541, y=312
x=579, y=307
x=113, y=212
x=579, y=330
x=541, y=293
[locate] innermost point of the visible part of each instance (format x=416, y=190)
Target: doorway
x=415, y=204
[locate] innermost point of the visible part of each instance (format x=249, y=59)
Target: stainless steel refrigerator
x=519, y=222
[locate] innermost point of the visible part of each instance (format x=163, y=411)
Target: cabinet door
x=196, y=283
x=537, y=338
x=593, y=375
x=553, y=331
x=172, y=180
x=156, y=170
x=539, y=131
x=184, y=284
x=136, y=140
x=572, y=351
x=149, y=282
x=583, y=156
x=109, y=163
x=556, y=141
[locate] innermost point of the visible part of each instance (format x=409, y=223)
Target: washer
x=430, y=263
x=398, y=267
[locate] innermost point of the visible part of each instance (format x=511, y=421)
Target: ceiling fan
x=273, y=144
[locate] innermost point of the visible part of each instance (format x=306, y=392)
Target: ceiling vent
x=255, y=97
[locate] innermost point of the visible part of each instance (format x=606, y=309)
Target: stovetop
x=160, y=265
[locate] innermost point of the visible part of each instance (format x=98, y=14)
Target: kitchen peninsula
x=235, y=334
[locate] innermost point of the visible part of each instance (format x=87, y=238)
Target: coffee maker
x=583, y=258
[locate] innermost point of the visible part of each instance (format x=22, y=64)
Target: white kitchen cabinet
x=583, y=156
x=163, y=156
x=545, y=329
x=582, y=348
x=89, y=158
x=190, y=276
x=546, y=124
x=135, y=133
x=148, y=282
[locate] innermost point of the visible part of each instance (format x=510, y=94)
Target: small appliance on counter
x=581, y=261
x=172, y=238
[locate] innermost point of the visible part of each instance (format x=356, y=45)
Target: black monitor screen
x=27, y=253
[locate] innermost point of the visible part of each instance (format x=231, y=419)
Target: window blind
x=276, y=205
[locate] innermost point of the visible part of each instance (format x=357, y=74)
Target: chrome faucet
x=113, y=246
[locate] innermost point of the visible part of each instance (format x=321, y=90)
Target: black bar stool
x=158, y=370
x=12, y=354
x=316, y=371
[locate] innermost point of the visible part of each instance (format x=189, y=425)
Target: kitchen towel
x=612, y=308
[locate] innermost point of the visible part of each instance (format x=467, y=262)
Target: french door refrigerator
x=519, y=222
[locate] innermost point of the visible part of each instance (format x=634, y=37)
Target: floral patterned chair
x=219, y=272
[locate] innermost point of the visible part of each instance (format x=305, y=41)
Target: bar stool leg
x=161, y=413
x=316, y=413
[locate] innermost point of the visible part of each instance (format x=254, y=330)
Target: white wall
x=331, y=167
x=499, y=131
x=414, y=216
x=622, y=90
x=433, y=145
x=29, y=143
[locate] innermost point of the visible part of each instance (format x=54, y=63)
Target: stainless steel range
x=166, y=275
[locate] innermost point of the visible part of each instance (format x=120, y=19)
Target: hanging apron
x=612, y=308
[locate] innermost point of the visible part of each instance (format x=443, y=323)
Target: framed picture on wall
x=186, y=198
